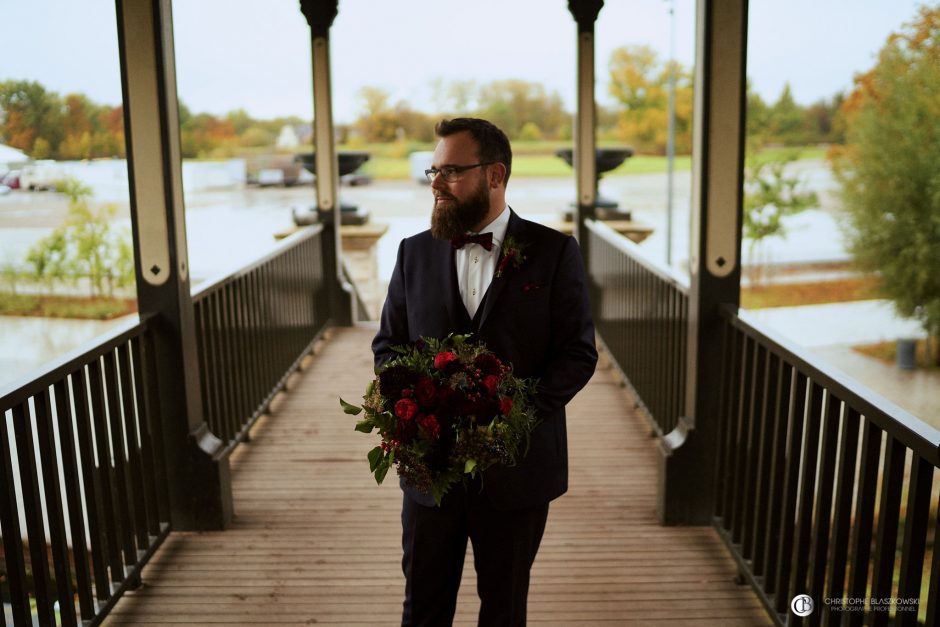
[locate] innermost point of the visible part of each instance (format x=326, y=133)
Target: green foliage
x=640, y=83
x=890, y=169
x=771, y=194
x=85, y=246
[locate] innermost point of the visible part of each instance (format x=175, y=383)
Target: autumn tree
x=512, y=104
x=29, y=115
x=889, y=169
x=640, y=83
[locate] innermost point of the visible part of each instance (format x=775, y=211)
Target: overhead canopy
x=12, y=155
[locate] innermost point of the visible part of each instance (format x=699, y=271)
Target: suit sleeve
x=573, y=354
x=393, y=327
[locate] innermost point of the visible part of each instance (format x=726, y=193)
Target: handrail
x=38, y=379
x=635, y=251
x=910, y=430
x=222, y=278
x=641, y=315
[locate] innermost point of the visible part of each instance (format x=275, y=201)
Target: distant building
x=288, y=139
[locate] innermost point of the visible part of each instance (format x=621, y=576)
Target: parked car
x=41, y=175
x=11, y=179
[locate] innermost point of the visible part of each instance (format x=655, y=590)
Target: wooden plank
x=314, y=540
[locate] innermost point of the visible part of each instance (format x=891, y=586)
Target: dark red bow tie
x=483, y=239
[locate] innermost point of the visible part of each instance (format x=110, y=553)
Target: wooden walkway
x=315, y=541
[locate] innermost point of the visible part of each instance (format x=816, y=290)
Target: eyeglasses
x=450, y=172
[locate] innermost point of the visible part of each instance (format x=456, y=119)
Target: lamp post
x=671, y=131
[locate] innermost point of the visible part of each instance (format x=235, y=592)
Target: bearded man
x=519, y=288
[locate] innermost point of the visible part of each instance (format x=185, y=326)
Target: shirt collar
x=498, y=228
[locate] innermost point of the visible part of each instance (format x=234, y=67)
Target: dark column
x=585, y=153
x=685, y=495
x=199, y=484
x=320, y=15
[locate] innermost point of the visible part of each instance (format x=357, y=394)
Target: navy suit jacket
x=535, y=317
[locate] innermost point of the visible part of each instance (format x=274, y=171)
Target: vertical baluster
x=148, y=470
x=254, y=350
x=915, y=538
x=779, y=468
x=94, y=508
x=202, y=351
x=150, y=384
x=741, y=424
x=111, y=527
x=892, y=481
x=842, y=518
x=29, y=481
x=725, y=464
x=933, y=587
x=864, y=516
x=265, y=330
x=804, y=521
x=824, y=496
x=791, y=463
x=754, y=429
x=122, y=503
x=230, y=416
x=10, y=526
x=66, y=418
x=55, y=516
x=767, y=417
x=135, y=473
x=241, y=358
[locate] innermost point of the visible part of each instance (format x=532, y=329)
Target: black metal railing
x=823, y=488
x=641, y=314
x=254, y=326
x=83, y=500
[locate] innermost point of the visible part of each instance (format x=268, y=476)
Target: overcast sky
x=255, y=54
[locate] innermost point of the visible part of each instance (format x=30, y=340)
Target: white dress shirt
x=476, y=265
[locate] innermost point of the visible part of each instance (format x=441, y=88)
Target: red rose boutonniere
x=513, y=253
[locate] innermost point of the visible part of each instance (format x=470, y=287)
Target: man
x=523, y=295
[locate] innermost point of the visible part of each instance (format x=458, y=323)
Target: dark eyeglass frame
x=450, y=171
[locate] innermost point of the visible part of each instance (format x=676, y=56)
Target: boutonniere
x=513, y=253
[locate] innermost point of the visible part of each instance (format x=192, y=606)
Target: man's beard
x=460, y=216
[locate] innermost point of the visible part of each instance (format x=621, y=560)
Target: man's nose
x=438, y=182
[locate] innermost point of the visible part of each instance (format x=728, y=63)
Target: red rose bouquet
x=445, y=410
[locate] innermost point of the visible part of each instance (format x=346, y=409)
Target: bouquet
x=445, y=410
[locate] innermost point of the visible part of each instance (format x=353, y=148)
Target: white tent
x=12, y=155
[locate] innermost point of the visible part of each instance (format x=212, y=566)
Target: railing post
x=686, y=480
x=585, y=153
x=198, y=475
x=320, y=15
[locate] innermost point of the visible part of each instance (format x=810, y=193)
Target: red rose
x=406, y=409
x=491, y=382
x=430, y=425
x=505, y=405
x=426, y=391
x=442, y=359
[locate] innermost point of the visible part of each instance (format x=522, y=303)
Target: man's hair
x=493, y=143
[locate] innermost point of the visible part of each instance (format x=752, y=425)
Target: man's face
x=461, y=204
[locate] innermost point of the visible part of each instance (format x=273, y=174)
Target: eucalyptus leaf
x=349, y=408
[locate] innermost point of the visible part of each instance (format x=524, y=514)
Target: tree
x=511, y=104
x=30, y=114
x=85, y=246
x=889, y=169
x=786, y=119
x=771, y=194
x=640, y=83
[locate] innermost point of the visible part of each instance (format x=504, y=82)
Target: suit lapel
x=516, y=230
x=448, y=268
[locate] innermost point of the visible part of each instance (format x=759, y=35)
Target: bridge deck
x=315, y=541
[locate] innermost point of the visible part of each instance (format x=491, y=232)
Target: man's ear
x=497, y=174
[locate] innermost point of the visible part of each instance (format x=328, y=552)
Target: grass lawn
x=795, y=294
x=65, y=306
x=887, y=352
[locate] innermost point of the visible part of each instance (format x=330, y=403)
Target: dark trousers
x=434, y=540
